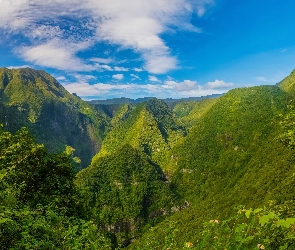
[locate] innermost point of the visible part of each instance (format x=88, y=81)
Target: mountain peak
x=35, y=99
x=26, y=80
x=288, y=83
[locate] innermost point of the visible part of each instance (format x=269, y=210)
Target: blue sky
x=102, y=49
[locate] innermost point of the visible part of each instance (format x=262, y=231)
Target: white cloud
x=19, y=67
x=82, y=89
x=102, y=60
x=169, y=88
x=61, y=78
x=186, y=85
x=53, y=55
x=116, y=68
x=135, y=77
x=84, y=77
x=132, y=24
x=118, y=76
x=138, y=70
x=159, y=64
x=202, y=6
x=154, y=79
x=45, y=32
x=103, y=67
x=219, y=84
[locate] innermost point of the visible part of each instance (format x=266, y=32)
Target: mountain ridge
x=34, y=99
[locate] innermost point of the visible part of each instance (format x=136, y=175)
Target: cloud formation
x=52, y=55
x=118, y=76
x=219, y=84
x=154, y=79
x=57, y=30
x=135, y=77
x=173, y=89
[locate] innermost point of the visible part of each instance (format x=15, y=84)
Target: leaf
x=248, y=213
x=286, y=223
x=265, y=218
x=257, y=210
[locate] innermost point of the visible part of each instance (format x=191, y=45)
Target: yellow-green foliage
x=190, y=112
x=232, y=156
x=270, y=227
x=288, y=83
x=149, y=127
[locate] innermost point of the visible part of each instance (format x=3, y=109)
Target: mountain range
x=149, y=165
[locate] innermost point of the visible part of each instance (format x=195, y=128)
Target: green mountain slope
x=122, y=192
x=231, y=157
x=149, y=127
x=190, y=112
x=288, y=83
x=34, y=99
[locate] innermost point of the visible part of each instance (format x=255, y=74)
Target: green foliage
x=34, y=99
x=288, y=83
x=231, y=156
x=37, y=209
x=221, y=145
x=262, y=228
x=287, y=123
x=237, y=151
x=46, y=228
x=122, y=192
x=190, y=112
x=32, y=170
x=149, y=127
x=250, y=229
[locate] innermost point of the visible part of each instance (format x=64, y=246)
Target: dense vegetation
x=122, y=192
x=209, y=174
x=37, y=205
x=150, y=127
x=34, y=99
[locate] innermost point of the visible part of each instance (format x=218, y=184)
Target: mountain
x=202, y=174
x=34, y=99
x=288, y=83
x=149, y=127
x=190, y=112
x=122, y=192
x=232, y=156
x=171, y=102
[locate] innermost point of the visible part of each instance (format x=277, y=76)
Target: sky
x=102, y=49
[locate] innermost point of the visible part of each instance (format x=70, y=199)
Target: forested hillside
x=150, y=127
x=34, y=99
x=209, y=174
x=234, y=155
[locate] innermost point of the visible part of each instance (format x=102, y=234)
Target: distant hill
x=124, y=100
x=34, y=99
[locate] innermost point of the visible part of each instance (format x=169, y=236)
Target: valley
x=209, y=173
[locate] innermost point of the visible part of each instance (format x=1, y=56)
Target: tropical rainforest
x=212, y=173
